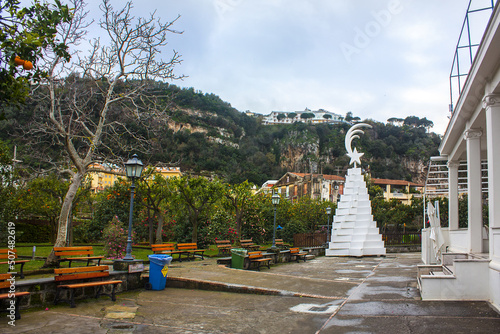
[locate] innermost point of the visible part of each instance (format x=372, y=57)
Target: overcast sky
x=376, y=58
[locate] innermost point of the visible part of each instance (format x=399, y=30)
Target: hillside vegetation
x=203, y=134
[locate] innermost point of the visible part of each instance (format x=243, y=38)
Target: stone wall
x=43, y=290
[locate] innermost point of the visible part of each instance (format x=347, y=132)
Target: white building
x=470, y=260
x=306, y=116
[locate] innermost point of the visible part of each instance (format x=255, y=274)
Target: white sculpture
x=354, y=232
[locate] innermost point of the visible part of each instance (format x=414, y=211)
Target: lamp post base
x=123, y=265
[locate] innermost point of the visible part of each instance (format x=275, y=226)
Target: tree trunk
x=159, y=229
x=238, y=215
x=194, y=224
x=62, y=231
x=151, y=234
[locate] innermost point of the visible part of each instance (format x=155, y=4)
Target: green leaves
x=25, y=32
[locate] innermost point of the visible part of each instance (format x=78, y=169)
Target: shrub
x=115, y=239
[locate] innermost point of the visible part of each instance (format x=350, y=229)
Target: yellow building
x=168, y=172
x=103, y=175
x=399, y=189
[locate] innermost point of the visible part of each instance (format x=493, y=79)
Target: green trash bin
x=238, y=258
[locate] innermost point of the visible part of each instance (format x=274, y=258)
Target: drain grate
x=319, y=308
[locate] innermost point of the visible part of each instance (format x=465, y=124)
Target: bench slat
x=16, y=294
x=60, y=271
x=69, y=253
x=84, y=285
x=80, y=276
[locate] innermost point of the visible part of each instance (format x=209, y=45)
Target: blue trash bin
x=158, y=268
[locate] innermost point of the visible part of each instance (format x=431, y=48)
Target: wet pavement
x=323, y=295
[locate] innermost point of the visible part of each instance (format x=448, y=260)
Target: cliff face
x=417, y=168
x=299, y=151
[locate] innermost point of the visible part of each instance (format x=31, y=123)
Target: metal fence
x=309, y=239
x=390, y=239
x=402, y=238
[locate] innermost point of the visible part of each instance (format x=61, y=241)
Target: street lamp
x=275, y=199
x=133, y=168
x=328, y=213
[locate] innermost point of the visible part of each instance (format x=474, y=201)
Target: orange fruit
x=28, y=65
x=18, y=61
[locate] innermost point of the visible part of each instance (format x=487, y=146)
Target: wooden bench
x=76, y=254
x=83, y=273
x=280, y=244
x=224, y=247
x=190, y=249
x=295, y=252
x=258, y=257
x=168, y=249
x=248, y=244
x=6, y=284
x=11, y=259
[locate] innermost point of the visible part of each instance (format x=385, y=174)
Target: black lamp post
x=133, y=168
x=275, y=199
x=328, y=213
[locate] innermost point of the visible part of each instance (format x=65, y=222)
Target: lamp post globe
x=275, y=199
x=133, y=169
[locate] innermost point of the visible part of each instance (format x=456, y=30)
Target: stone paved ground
x=324, y=295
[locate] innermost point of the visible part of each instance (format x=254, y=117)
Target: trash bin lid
x=239, y=251
x=160, y=259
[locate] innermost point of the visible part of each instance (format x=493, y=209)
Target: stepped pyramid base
x=354, y=232
x=356, y=252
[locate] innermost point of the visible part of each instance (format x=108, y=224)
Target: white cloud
x=264, y=55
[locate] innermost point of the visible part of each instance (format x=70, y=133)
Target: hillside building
x=293, y=186
x=329, y=187
x=103, y=175
x=169, y=172
x=305, y=116
x=400, y=190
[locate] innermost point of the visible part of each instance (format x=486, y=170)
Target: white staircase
x=460, y=277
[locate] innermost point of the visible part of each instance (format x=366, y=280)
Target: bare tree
x=89, y=97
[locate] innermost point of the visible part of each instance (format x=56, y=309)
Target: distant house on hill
x=306, y=116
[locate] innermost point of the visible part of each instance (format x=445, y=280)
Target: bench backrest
x=278, y=242
x=162, y=247
x=74, y=251
x=255, y=255
x=8, y=254
x=247, y=242
x=3, y=280
x=66, y=274
x=222, y=242
x=294, y=250
x=187, y=246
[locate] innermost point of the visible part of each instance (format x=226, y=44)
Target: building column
x=453, y=194
x=475, y=216
x=491, y=103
